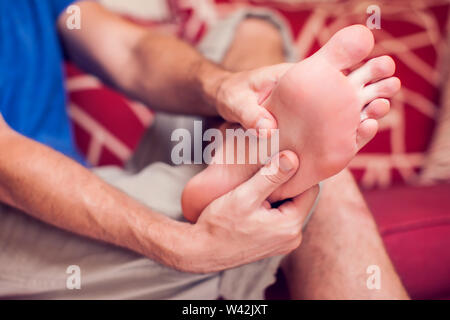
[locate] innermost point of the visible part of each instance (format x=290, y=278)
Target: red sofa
x=414, y=221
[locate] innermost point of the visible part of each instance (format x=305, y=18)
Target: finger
x=255, y=116
x=269, y=178
x=301, y=205
x=268, y=76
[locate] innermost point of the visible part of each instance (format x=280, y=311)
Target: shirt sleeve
x=58, y=6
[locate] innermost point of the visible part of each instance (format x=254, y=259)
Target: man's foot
x=324, y=116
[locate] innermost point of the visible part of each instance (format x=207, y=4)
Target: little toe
x=385, y=88
x=374, y=70
x=377, y=109
x=366, y=132
x=347, y=47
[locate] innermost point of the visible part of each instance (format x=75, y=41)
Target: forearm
x=172, y=76
x=160, y=70
x=56, y=190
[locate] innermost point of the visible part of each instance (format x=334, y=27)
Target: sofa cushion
x=107, y=125
x=415, y=225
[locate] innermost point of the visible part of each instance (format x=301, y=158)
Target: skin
x=326, y=105
x=56, y=190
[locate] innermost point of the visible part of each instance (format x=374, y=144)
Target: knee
x=258, y=28
x=256, y=43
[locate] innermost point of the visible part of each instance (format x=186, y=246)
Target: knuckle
x=293, y=233
x=289, y=240
x=292, y=230
x=293, y=243
x=275, y=179
x=378, y=66
x=384, y=88
x=296, y=243
x=382, y=65
x=285, y=251
x=291, y=246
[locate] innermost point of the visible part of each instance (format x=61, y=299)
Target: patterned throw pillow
x=412, y=32
x=107, y=126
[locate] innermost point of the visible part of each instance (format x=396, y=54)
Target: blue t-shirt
x=32, y=94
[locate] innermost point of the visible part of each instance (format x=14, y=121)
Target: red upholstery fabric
x=415, y=225
x=107, y=125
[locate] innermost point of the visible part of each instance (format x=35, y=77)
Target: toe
x=366, y=132
x=377, y=109
x=386, y=88
x=374, y=70
x=347, y=47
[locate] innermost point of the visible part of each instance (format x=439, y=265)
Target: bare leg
x=257, y=43
x=341, y=239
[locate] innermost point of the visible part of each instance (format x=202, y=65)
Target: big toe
x=347, y=47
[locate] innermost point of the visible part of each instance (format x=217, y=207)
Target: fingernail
x=285, y=164
x=264, y=123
